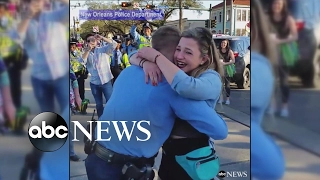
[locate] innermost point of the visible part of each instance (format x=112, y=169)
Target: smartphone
x=85, y=45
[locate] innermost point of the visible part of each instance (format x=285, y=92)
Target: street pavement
x=302, y=126
x=299, y=163
x=240, y=99
x=298, y=136
x=304, y=106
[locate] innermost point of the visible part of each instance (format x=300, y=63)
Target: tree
x=123, y=27
x=105, y=27
x=180, y=15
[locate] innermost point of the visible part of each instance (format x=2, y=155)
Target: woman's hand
x=222, y=62
x=148, y=53
x=10, y=111
x=275, y=39
x=152, y=71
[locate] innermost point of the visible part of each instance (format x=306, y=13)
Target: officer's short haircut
x=166, y=38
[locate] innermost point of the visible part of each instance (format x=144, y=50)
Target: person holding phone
x=98, y=65
x=43, y=36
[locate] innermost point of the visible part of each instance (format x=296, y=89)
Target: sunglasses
x=91, y=40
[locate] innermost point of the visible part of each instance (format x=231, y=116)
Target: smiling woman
x=194, y=72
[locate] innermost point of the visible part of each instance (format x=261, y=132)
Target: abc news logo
x=48, y=131
x=223, y=174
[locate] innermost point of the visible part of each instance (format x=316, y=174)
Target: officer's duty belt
x=116, y=158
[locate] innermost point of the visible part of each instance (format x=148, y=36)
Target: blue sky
x=186, y=13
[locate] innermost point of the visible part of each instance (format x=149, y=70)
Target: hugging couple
x=176, y=91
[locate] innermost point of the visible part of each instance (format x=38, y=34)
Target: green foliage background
x=122, y=27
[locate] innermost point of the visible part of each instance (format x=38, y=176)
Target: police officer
x=128, y=46
x=142, y=40
x=78, y=68
x=125, y=59
x=11, y=52
x=116, y=61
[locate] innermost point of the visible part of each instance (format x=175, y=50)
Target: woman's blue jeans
x=46, y=90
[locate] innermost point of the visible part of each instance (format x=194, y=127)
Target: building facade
x=186, y=24
x=237, y=17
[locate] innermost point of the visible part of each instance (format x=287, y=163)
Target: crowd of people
x=113, y=54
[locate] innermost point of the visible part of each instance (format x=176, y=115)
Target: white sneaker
x=284, y=112
x=227, y=102
x=220, y=100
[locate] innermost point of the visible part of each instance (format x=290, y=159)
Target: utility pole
x=74, y=27
x=210, y=11
x=180, y=15
x=74, y=20
x=188, y=8
x=231, y=19
x=224, y=16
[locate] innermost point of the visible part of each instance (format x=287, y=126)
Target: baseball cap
x=73, y=41
x=117, y=38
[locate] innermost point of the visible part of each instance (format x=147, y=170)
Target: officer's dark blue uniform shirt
x=129, y=48
x=134, y=100
x=116, y=54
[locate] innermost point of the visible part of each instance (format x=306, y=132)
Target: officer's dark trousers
x=81, y=82
x=14, y=73
x=98, y=169
x=115, y=72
